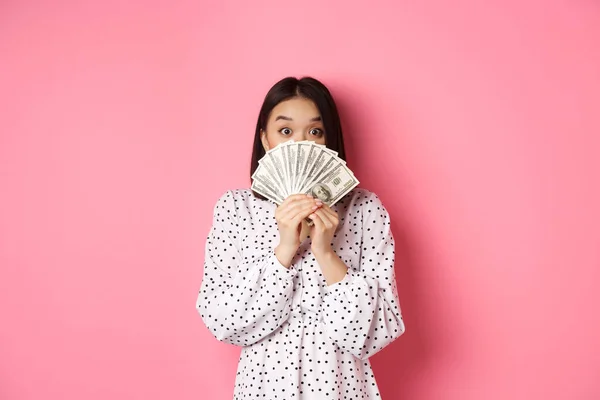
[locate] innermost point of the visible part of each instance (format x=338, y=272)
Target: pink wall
x=476, y=122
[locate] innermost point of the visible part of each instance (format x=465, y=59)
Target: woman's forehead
x=297, y=110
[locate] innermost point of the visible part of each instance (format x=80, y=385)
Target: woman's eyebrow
x=314, y=119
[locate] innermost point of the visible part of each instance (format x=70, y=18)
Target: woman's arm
x=362, y=312
x=242, y=299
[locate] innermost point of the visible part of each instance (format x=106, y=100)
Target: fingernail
x=315, y=207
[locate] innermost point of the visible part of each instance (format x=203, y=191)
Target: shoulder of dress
x=364, y=200
x=360, y=196
x=361, y=192
x=238, y=196
x=242, y=194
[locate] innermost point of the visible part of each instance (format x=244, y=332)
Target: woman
x=309, y=304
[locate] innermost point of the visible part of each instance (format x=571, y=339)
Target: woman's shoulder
x=236, y=199
x=366, y=204
x=235, y=205
x=361, y=197
x=235, y=196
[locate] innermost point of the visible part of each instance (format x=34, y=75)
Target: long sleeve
x=243, y=298
x=362, y=313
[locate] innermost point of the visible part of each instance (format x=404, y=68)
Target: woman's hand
x=326, y=222
x=290, y=216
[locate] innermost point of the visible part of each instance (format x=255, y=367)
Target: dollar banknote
x=303, y=167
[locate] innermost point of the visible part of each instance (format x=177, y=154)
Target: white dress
x=301, y=338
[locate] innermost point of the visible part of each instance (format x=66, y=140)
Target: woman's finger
x=303, y=215
x=327, y=223
x=292, y=199
x=302, y=212
x=330, y=212
x=329, y=216
x=295, y=197
x=293, y=207
x=318, y=222
x=299, y=207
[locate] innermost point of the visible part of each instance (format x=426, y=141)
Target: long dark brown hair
x=308, y=88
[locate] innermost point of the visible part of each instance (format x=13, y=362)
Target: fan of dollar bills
x=303, y=167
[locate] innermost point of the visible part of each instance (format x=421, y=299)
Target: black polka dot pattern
x=301, y=338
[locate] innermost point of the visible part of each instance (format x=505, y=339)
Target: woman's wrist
x=285, y=254
x=324, y=254
x=332, y=267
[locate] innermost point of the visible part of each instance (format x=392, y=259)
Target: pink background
x=477, y=123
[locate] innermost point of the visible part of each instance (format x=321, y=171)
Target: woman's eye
x=316, y=132
x=286, y=131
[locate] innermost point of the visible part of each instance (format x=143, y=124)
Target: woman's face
x=297, y=119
